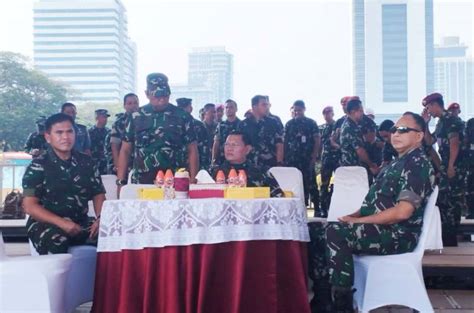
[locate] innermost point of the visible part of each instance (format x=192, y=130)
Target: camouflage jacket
x=351, y=140
x=160, y=137
x=447, y=127
x=222, y=131
x=97, y=136
x=255, y=176
x=35, y=141
x=470, y=141
x=63, y=187
x=299, y=140
x=202, y=138
x=83, y=141
x=329, y=154
x=116, y=135
x=337, y=127
x=264, y=134
x=409, y=178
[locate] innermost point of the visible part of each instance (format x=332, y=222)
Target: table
x=203, y=256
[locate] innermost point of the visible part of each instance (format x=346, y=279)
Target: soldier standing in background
x=470, y=163
x=223, y=130
x=36, y=143
x=98, y=134
x=302, y=144
x=82, y=141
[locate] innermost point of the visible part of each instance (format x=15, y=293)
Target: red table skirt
x=247, y=277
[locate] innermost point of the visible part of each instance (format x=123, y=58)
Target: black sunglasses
x=403, y=130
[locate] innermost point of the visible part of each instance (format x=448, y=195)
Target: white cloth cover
x=130, y=191
x=289, y=179
x=110, y=185
x=351, y=185
x=395, y=279
x=136, y=224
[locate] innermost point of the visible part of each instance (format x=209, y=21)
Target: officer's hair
x=55, y=119
x=66, y=105
x=131, y=94
x=353, y=105
x=418, y=120
x=208, y=106
x=231, y=101
x=256, y=99
x=299, y=103
x=386, y=125
x=244, y=136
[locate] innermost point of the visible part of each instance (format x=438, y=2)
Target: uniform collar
x=53, y=156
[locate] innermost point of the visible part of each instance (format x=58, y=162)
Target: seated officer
x=236, y=148
x=389, y=221
x=57, y=187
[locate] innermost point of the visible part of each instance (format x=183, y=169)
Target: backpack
x=12, y=206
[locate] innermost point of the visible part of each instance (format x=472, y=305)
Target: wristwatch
x=121, y=182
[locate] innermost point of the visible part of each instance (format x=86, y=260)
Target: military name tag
x=303, y=139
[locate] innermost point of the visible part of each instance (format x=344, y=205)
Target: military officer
x=82, y=141
x=223, y=129
x=162, y=135
x=237, y=147
x=388, y=222
x=449, y=134
x=470, y=163
x=98, y=134
x=36, y=143
x=265, y=133
x=301, y=150
x=57, y=187
x=202, y=136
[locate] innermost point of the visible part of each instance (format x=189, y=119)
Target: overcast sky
x=286, y=49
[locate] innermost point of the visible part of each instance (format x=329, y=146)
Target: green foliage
x=86, y=112
x=25, y=94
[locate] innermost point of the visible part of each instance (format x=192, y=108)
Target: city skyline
x=287, y=50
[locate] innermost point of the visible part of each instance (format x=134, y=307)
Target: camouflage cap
x=103, y=112
x=183, y=102
x=432, y=98
x=454, y=106
x=157, y=85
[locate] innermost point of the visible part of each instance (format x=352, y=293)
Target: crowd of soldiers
x=160, y=135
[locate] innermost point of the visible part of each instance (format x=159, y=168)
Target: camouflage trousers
x=48, y=238
x=333, y=245
x=452, y=203
x=327, y=170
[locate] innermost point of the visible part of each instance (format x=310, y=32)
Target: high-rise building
x=392, y=54
x=210, y=76
x=85, y=44
x=454, y=74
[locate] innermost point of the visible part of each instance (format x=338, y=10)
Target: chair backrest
x=289, y=179
x=130, y=191
x=3, y=253
x=109, y=182
x=427, y=221
x=351, y=185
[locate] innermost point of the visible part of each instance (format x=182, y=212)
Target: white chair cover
x=130, y=191
x=289, y=179
x=110, y=185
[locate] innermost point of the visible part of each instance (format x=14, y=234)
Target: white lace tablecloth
x=138, y=224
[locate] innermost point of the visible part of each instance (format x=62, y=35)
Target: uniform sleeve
x=218, y=132
x=33, y=180
x=275, y=190
x=416, y=183
x=129, y=133
x=455, y=127
x=189, y=134
x=356, y=139
x=87, y=141
x=29, y=143
x=96, y=187
x=279, y=134
x=315, y=129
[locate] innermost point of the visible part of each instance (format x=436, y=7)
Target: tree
x=25, y=94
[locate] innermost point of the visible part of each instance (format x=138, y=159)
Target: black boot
x=342, y=300
x=322, y=300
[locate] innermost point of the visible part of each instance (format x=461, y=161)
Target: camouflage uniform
x=374, y=153
x=98, y=137
x=160, y=139
x=409, y=178
x=470, y=164
x=264, y=134
x=389, y=153
x=83, y=141
x=299, y=143
x=222, y=131
x=351, y=140
x=210, y=133
x=255, y=176
x=451, y=199
x=116, y=135
x=63, y=188
x=329, y=163
x=35, y=141
x=202, y=138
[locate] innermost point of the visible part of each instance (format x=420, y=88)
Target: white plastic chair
x=110, y=185
x=395, y=279
x=289, y=179
x=351, y=185
x=33, y=284
x=80, y=278
x=130, y=191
